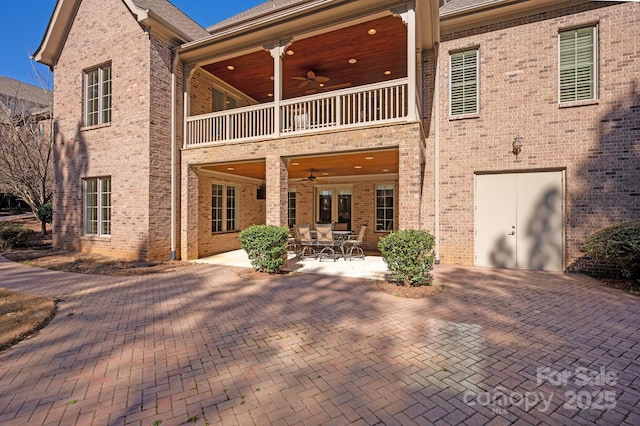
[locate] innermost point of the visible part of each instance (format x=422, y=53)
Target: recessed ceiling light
x=270, y=95
x=353, y=60
x=231, y=67
x=230, y=168
x=385, y=170
x=295, y=164
x=368, y=158
x=387, y=72
x=372, y=31
x=357, y=167
x=290, y=52
x=325, y=174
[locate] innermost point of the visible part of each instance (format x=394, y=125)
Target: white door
x=519, y=220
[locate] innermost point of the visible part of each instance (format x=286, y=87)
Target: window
x=291, y=207
x=384, y=207
x=463, y=82
x=97, y=206
x=222, y=101
x=97, y=96
x=224, y=210
x=578, y=64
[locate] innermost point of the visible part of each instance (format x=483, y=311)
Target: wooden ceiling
x=327, y=55
x=362, y=163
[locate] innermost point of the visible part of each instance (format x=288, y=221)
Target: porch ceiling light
x=290, y=52
x=231, y=67
x=295, y=164
x=357, y=167
x=230, y=168
x=385, y=170
x=353, y=60
x=372, y=31
x=368, y=158
x=516, y=145
x=387, y=72
x=270, y=95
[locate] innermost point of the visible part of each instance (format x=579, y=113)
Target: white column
x=277, y=49
x=408, y=16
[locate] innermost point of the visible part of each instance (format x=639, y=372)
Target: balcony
x=378, y=103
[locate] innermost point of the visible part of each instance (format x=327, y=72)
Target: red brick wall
x=133, y=149
x=596, y=143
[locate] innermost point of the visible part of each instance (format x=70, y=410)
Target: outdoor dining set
x=330, y=240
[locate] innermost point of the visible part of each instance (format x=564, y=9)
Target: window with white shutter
x=577, y=65
x=463, y=82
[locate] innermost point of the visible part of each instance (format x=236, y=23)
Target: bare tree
x=26, y=143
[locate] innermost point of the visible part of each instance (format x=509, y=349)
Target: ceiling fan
x=311, y=79
x=310, y=178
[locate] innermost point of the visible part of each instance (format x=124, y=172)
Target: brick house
x=508, y=129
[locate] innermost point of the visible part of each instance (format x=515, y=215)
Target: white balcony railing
x=358, y=106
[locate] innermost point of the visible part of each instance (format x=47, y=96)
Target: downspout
x=174, y=65
x=436, y=171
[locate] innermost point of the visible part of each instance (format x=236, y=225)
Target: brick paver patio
x=204, y=345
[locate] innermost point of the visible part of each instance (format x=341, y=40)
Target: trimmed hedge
x=13, y=235
x=409, y=256
x=266, y=246
x=618, y=245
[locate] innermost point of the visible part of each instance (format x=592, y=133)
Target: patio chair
x=293, y=242
x=355, y=244
x=325, y=241
x=307, y=243
x=341, y=226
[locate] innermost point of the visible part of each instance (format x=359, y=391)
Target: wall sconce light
x=516, y=145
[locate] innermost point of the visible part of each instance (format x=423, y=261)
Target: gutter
x=174, y=65
x=436, y=161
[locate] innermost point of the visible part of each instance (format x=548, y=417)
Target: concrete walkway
x=208, y=345
x=370, y=267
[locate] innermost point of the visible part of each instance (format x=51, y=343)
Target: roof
x=160, y=15
x=18, y=98
x=10, y=88
x=454, y=6
x=173, y=16
x=265, y=8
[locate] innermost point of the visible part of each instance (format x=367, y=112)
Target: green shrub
x=409, y=256
x=619, y=245
x=45, y=213
x=13, y=235
x=266, y=246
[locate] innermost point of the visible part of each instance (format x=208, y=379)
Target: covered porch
x=346, y=188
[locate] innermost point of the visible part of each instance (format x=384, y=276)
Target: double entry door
x=333, y=203
x=519, y=220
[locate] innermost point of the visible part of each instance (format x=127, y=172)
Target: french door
x=333, y=204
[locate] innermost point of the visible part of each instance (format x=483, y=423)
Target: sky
x=24, y=22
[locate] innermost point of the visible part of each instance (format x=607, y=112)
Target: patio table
x=340, y=237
